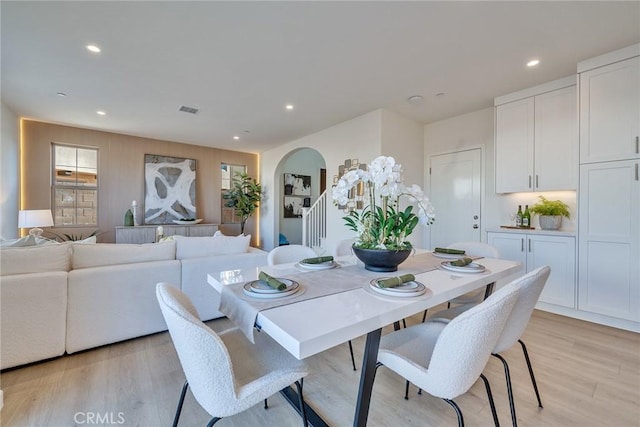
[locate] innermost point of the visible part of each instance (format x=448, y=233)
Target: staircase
x=314, y=222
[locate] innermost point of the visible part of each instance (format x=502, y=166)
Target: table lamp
x=35, y=219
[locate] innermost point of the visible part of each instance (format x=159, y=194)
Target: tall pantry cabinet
x=609, y=188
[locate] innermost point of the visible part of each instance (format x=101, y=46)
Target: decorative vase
x=381, y=259
x=550, y=222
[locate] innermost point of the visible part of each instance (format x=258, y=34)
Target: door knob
x=475, y=217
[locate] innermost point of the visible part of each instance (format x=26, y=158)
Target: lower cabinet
x=534, y=250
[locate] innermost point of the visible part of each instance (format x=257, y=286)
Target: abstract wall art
x=170, y=189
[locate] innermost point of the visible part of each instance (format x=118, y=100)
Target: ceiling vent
x=188, y=110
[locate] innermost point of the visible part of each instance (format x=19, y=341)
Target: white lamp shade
x=35, y=218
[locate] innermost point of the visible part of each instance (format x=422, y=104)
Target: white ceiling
x=239, y=63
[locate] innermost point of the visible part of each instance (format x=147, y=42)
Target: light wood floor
x=588, y=375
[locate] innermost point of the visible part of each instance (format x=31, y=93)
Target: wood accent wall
x=121, y=174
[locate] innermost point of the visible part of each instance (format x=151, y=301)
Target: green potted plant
x=550, y=213
x=382, y=225
x=244, y=197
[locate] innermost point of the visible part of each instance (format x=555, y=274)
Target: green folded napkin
x=461, y=262
x=317, y=260
x=272, y=281
x=392, y=282
x=449, y=251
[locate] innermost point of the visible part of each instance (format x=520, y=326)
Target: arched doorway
x=300, y=178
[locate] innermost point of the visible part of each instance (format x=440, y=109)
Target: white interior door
x=454, y=190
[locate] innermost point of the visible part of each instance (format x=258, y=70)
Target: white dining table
x=308, y=327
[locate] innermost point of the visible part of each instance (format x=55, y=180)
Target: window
x=75, y=186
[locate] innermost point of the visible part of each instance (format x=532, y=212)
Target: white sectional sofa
x=71, y=297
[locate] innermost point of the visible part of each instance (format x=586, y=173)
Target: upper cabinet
x=536, y=138
x=610, y=107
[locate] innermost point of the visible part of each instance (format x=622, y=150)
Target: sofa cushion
x=35, y=259
x=192, y=247
x=100, y=254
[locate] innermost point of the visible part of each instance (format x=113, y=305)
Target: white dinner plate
x=321, y=266
x=260, y=289
x=447, y=256
x=469, y=268
x=178, y=221
x=409, y=289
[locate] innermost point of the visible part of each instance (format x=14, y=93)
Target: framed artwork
x=170, y=189
x=297, y=185
x=293, y=207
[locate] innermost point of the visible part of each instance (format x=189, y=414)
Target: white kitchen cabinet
x=535, y=250
x=610, y=112
x=609, y=243
x=536, y=139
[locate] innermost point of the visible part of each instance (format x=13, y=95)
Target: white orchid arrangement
x=381, y=224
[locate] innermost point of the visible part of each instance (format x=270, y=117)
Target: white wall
x=9, y=173
x=358, y=138
x=302, y=162
x=403, y=139
x=477, y=129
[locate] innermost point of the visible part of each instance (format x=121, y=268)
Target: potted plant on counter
x=550, y=213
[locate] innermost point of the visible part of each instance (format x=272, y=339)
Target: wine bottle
x=526, y=217
x=519, y=216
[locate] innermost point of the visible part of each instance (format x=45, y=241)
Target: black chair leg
x=424, y=316
x=533, y=378
x=406, y=391
x=183, y=393
x=404, y=323
x=266, y=405
x=213, y=421
x=491, y=402
x=299, y=385
x=458, y=412
x=353, y=359
x=512, y=404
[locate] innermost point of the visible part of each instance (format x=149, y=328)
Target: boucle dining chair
x=446, y=358
x=295, y=253
x=343, y=248
x=289, y=253
x=531, y=285
x=226, y=373
x=477, y=249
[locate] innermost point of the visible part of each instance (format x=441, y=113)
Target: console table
x=147, y=233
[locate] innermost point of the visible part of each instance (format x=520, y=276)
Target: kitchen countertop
x=561, y=232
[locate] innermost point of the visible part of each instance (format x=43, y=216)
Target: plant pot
x=550, y=222
x=381, y=259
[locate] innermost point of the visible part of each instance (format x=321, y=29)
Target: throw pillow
x=29, y=240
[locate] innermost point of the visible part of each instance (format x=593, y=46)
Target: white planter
x=550, y=222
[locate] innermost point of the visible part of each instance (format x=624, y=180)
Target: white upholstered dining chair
x=226, y=373
x=468, y=300
x=446, y=358
x=289, y=253
x=295, y=253
x=531, y=285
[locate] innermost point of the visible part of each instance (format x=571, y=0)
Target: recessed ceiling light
x=236, y=137
x=533, y=63
x=61, y=94
x=289, y=106
x=93, y=48
x=101, y=113
x=415, y=99
x=439, y=94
